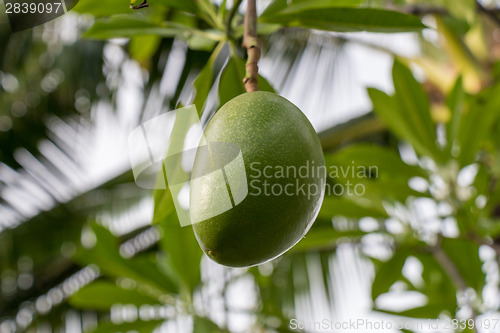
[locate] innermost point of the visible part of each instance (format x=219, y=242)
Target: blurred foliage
x=446, y=118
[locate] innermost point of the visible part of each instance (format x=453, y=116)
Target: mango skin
x=271, y=131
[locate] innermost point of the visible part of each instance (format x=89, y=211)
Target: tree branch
x=251, y=44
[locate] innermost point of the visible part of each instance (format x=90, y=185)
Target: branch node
x=253, y=47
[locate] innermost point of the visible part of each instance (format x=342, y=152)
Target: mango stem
x=252, y=45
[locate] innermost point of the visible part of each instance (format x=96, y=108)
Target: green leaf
x=347, y=19
x=183, y=252
x=223, y=9
x=206, y=79
x=178, y=243
x=386, y=108
x=368, y=174
x=438, y=287
x=142, y=269
x=135, y=25
x=405, y=331
x=205, y=325
x=274, y=302
x=323, y=238
x=298, y=5
x=208, y=11
x=136, y=326
x=407, y=113
x=463, y=9
x=201, y=42
x=383, y=163
x=164, y=206
x=388, y=272
x=231, y=81
x=265, y=85
x=476, y=125
x=344, y=206
x=465, y=256
x=102, y=296
x=100, y=8
x=184, y=5
x=262, y=29
x=455, y=103
x=265, y=28
x=423, y=312
x=142, y=48
x=414, y=107
x=183, y=18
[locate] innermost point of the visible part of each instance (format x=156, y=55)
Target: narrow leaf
x=100, y=8
x=102, y=296
x=142, y=48
x=206, y=79
x=324, y=238
x=278, y=6
x=477, y=124
x=231, y=82
x=455, y=103
x=343, y=206
x=347, y=19
x=106, y=255
x=386, y=108
x=184, y=5
x=136, y=326
x=205, y=325
x=465, y=256
x=134, y=25
x=414, y=108
x=388, y=272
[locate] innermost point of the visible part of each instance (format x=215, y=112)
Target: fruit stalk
x=251, y=44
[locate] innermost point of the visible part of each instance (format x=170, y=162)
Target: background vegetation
x=79, y=250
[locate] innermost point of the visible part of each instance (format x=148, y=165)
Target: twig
x=251, y=43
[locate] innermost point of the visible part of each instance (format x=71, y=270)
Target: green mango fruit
x=258, y=185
